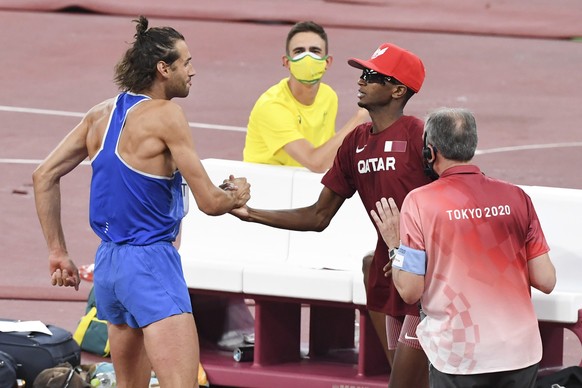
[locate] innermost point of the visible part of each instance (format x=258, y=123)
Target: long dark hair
x=136, y=71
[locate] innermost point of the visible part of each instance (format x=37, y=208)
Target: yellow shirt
x=278, y=119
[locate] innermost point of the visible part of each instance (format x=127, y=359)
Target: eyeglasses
x=373, y=77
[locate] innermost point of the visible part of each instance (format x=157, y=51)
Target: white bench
x=560, y=214
x=283, y=270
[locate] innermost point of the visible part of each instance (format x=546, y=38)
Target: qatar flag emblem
x=395, y=146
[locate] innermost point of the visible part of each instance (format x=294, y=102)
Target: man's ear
x=399, y=91
x=328, y=61
x=163, y=68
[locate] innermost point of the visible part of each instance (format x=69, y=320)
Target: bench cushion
x=214, y=250
x=560, y=214
x=290, y=281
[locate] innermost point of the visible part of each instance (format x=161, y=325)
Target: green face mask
x=307, y=67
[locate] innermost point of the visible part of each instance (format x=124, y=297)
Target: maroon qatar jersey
x=377, y=165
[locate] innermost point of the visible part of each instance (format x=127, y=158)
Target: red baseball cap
x=396, y=62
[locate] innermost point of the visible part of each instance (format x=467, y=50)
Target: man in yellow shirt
x=293, y=122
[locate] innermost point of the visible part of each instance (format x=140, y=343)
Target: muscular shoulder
x=163, y=114
x=162, y=107
x=94, y=124
x=103, y=109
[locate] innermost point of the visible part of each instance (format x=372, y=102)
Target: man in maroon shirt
x=381, y=158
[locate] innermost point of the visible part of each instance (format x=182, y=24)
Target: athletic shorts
x=402, y=329
x=139, y=284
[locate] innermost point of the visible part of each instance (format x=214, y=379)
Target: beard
x=181, y=90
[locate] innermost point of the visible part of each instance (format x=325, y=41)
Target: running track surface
x=513, y=63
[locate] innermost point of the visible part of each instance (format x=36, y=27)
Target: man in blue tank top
x=140, y=146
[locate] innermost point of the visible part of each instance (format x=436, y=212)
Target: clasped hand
x=242, y=188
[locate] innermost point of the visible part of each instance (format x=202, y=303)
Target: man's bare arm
x=209, y=197
x=542, y=273
x=410, y=286
x=311, y=218
x=320, y=159
x=47, y=195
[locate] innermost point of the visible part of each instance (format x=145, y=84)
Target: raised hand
x=387, y=219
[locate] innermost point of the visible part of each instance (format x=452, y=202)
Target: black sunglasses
x=373, y=77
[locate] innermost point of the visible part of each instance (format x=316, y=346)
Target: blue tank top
x=128, y=206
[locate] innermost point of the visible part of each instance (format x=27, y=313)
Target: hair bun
x=141, y=26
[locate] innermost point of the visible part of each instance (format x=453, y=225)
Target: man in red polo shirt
x=470, y=249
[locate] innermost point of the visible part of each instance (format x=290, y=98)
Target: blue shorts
x=139, y=284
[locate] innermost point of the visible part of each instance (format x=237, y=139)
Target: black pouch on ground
x=7, y=370
x=35, y=352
